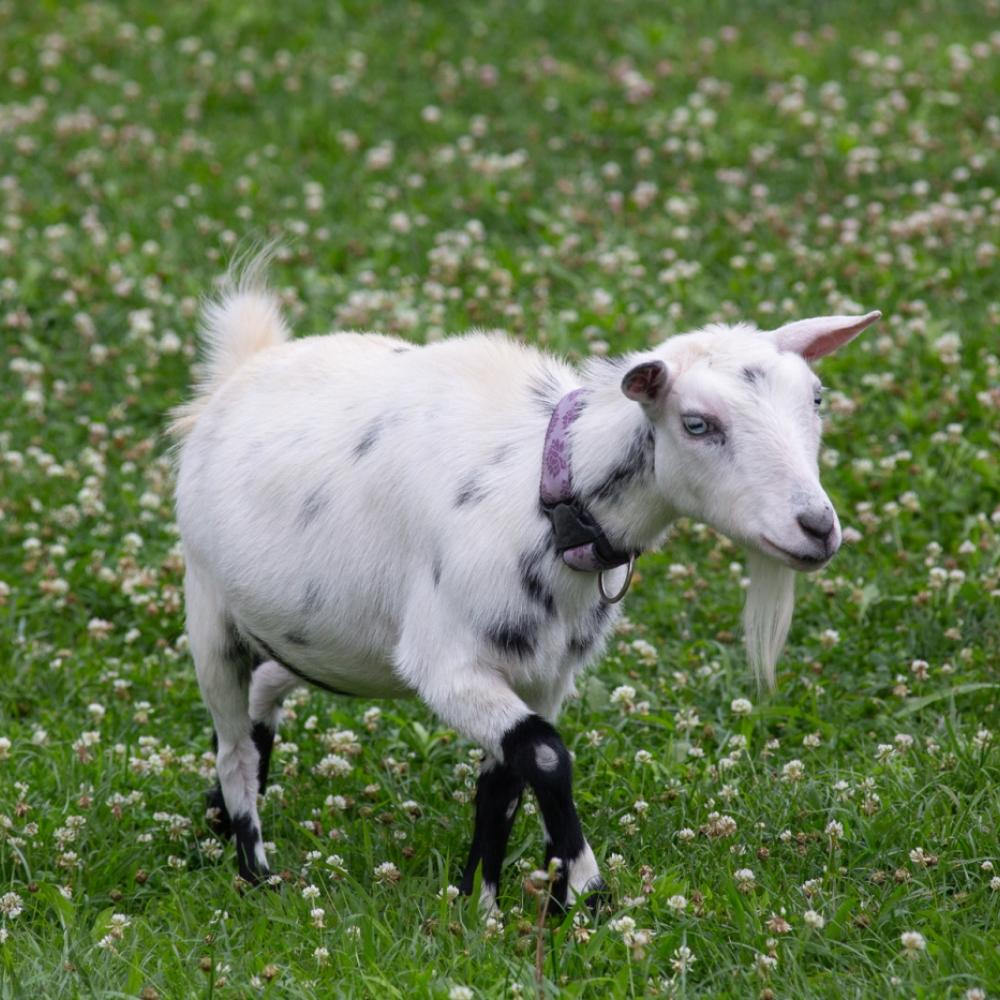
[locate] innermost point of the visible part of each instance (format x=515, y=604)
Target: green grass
x=802, y=164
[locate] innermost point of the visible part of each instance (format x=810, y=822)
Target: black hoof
x=254, y=877
x=217, y=815
x=597, y=895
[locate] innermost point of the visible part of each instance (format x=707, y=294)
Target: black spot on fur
x=635, y=464
x=313, y=505
x=312, y=598
x=470, y=492
x=295, y=639
x=436, y=571
x=529, y=566
x=751, y=375
x=590, y=632
x=369, y=439
x=238, y=653
x=514, y=637
x=501, y=454
x=545, y=390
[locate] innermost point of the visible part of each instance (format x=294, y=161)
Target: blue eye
x=695, y=425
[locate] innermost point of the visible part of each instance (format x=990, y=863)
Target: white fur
x=767, y=614
x=583, y=877
x=317, y=498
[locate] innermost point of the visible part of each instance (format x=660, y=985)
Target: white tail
x=243, y=318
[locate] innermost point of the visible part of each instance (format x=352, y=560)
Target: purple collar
x=578, y=537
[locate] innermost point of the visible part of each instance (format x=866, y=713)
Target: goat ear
x=822, y=335
x=647, y=382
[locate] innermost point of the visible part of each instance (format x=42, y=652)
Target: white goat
x=366, y=514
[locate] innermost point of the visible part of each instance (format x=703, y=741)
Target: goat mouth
x=804, y=563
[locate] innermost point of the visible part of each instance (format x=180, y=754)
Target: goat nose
x=817, y=522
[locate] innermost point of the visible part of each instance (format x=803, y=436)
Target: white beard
x=767, y=614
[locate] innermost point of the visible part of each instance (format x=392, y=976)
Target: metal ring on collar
x=615, y=598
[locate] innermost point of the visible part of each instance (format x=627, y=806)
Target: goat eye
x=695, y=425
x=818, y=397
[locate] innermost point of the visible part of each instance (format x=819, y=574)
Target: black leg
x=498, y=794
x=263, y=739
x=535, y=753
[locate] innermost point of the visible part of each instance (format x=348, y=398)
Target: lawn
x=592, y=177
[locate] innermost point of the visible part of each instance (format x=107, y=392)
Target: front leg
x=498, y=794
x=481, y=706
x=533, y=750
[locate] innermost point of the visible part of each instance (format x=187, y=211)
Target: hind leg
x=268, y=687
x=269, y=684
x=224, y=662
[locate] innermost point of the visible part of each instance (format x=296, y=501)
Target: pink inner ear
x=827, y=344
x=645, y=382
x=815, y=338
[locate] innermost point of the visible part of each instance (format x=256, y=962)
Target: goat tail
x=242, y=318
x=767, y=614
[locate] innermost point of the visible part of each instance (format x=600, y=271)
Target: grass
x=592, y=177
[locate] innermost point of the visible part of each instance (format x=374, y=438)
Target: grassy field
x=592, y=177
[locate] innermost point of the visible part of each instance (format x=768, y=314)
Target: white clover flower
x=834, y=830
x=333, y=765
x=682, y=960
x=741, y=706
x=460, y=993
x=814, y=920
x=623, y=925
x=913, y=943
x=643, y=757
x=794, y=770
x=387, y=873
x=765, y=964
x=623, y=695
x=645, y=652
x=677, y=903
x=11, y=905
x=745, y=879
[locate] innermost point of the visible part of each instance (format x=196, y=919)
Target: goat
x=366, y=515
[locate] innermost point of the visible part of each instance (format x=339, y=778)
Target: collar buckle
x=622, y=590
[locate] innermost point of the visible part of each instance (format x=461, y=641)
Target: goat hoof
x=248, y=879
x=596, y=894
